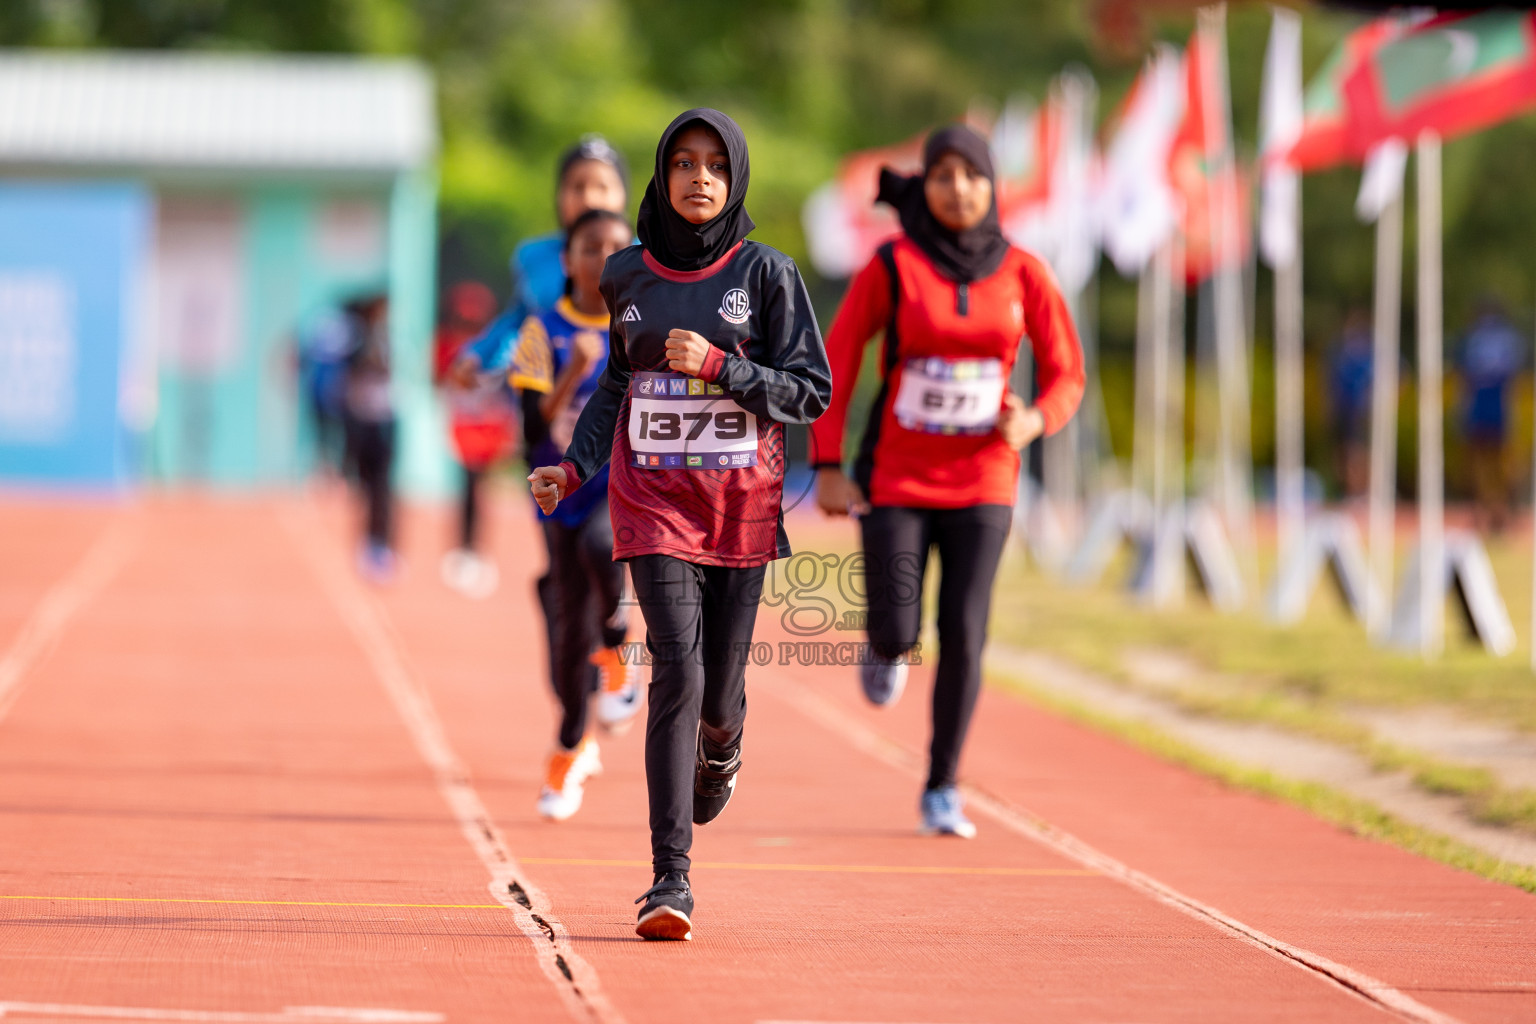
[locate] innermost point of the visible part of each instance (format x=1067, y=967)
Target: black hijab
x=961, y=256
x=671, y=240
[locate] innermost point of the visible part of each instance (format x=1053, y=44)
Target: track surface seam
x=1032, y=826
x=574, y=979
x=63, y=601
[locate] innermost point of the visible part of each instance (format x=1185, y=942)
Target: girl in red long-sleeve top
x=939, y=462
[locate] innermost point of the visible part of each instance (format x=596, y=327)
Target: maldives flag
x=1325, y=131
x=1452, y=74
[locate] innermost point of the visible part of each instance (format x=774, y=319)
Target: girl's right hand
x=549, y=485
x=837, y=495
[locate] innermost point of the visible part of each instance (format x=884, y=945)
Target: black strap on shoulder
x=864, y=463
x=887, y=254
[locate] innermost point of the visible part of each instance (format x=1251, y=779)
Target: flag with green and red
x=1453, y=74
x=1395, y=78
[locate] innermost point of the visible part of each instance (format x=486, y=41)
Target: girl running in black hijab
x=713, y=348
x=938, y=466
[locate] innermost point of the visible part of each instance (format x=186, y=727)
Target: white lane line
x=290, y=1014
x=1032, y=826
x=572, y=976
x=63, y=601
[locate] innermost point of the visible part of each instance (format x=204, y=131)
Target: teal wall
x=244, y=426
x=423, y=467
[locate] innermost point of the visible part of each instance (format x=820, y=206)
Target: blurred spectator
x=482, y=420
x=1349, y=388
x=322, y=352
x=370, y=427
x=1491, y=354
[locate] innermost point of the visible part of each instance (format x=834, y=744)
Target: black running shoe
x=713, y=783
x=668, y=904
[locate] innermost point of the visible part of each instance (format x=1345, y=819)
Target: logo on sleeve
x=736, y=306
x=632, y=313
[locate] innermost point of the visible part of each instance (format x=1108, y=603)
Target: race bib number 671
x=681, y=422
x=950, y=396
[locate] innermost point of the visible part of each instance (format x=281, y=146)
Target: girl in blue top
x=560, y=355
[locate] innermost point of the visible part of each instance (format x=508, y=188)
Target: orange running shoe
x=564, y=776
x=618, y=694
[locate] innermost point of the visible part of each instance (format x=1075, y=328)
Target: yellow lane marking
x=862, y=869
x=259, y=903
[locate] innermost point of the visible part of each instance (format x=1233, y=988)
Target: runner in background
x=561, y=353
x=592, y=175
x=482, y=423
x=713, y=348
x=939, y=463
x=369, y=411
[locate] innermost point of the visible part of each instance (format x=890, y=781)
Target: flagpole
x=1144, y=438
x=1381, y=504
x=1290, y=494
x=1431, y=430
x=1174, y=278
x=1160, y=313
x=1232, y=378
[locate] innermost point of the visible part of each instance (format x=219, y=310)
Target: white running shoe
x=619, y=695
x=564, y=776
x=470, y=574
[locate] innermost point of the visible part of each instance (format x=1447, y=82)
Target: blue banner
x=72, y=260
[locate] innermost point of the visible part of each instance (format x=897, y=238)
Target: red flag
x=1195, y=162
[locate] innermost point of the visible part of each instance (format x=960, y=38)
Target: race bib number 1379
x=681, y=422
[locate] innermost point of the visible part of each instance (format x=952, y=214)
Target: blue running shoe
x=942, y=815
x=883, y=680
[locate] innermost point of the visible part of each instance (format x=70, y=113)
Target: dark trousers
x=469, y=510
x=580, y=595
x=970, y=544
x=371, y=455
x=698, y=626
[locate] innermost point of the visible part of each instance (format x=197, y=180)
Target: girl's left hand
x=686, y=351
x=1018, y=423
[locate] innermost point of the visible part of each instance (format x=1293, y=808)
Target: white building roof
x=170, y=110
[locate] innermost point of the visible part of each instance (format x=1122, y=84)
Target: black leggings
x=371, y=454
x=580, y=595
x=469, y=510
x=698, y=628
x=970, y=542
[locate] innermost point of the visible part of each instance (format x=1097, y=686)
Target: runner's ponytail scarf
x=961, y=256
x=670, y=239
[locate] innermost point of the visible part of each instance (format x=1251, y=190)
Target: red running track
x=235, y=783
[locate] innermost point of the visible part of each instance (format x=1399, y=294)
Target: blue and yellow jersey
x=543, y=350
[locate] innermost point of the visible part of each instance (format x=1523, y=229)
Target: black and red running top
x=949, y=331
x=767, y=360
